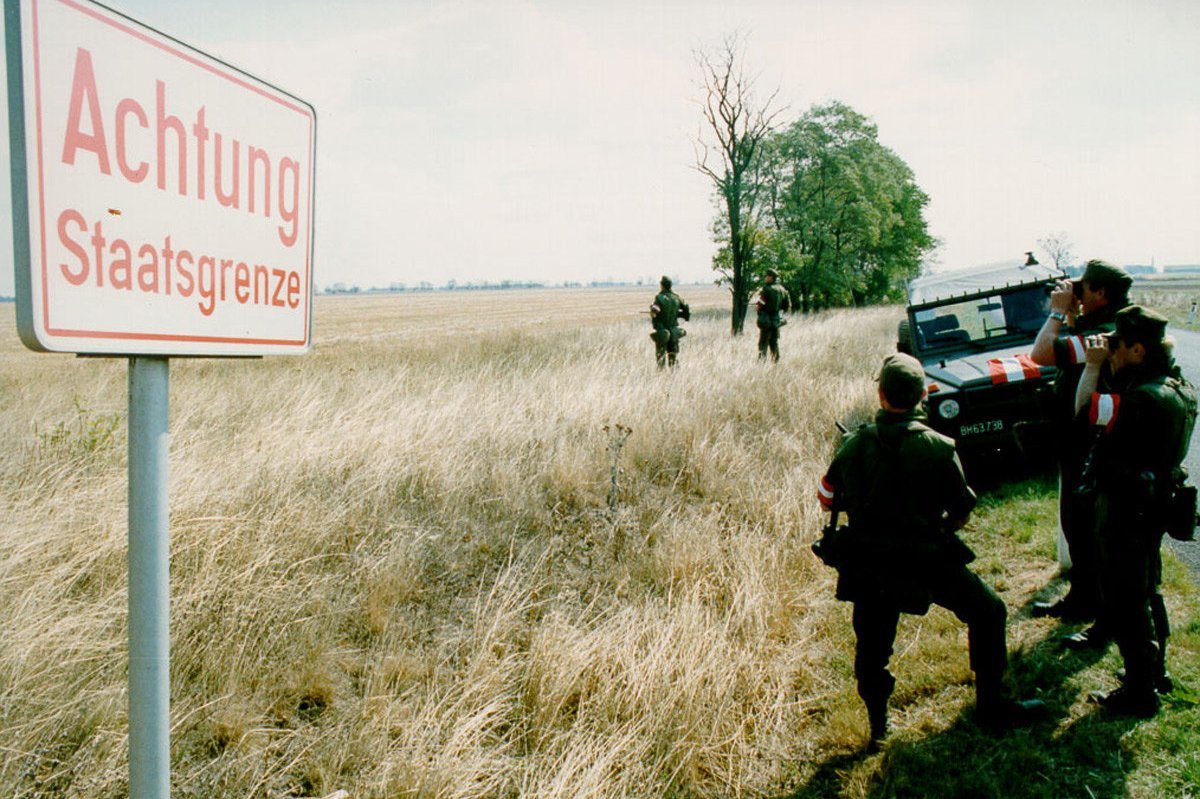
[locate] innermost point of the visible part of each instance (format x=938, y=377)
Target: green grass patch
x=936, y=750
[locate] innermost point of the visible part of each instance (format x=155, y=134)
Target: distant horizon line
x=400, y=287
x=508, y=284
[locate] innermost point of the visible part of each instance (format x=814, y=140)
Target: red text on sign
x=173, y=140
x=166, y=269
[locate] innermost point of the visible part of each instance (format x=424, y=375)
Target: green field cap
x=902, y=380
x=1102, y=273
x=1138, y=324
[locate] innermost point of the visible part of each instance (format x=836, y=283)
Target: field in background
x=1172, y=296
x=414, y=317
x=475, y=545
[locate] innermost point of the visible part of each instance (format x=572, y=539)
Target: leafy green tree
x=843, y=213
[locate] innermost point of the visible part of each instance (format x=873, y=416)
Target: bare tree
x=1058, y=247
x=739, y=128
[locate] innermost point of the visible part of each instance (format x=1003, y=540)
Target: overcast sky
x=553, y=141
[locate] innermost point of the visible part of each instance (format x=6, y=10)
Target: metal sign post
x=149, y=582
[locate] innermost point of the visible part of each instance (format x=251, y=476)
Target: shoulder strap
x=908, y=428
x=1186, y=393
x=890, y=453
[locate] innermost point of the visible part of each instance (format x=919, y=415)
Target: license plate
x=978, y=428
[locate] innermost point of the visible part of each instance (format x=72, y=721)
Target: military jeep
x=972, y=330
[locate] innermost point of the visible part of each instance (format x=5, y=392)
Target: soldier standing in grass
x=1077, y=309
x=665, y=313
x=902, y=487
x=1141, y=434
x=773, y=300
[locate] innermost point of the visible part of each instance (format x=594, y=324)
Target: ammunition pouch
x=956, y=551
x=879, y=548
x=769, y=322
x=1167, y=505
x=661, y=336
x=833, y=547
x=1179, y=513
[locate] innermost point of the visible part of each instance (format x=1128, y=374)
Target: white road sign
x=163, y=200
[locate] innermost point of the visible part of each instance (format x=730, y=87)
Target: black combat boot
x=1095, y=637
x=875, y=692
x=1164, y=683
x=996, y=710
x=877, y=716
x=1070, y=608
x=1140, y=702
x=1008, y=712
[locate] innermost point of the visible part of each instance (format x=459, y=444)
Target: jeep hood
x=970, y=369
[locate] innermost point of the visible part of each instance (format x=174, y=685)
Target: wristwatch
x=1059, y=315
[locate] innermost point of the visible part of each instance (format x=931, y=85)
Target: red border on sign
x=232, y=78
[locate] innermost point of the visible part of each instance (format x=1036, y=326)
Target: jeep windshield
x=982, y=322
x=985, y=309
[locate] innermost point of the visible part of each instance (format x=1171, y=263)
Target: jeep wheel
x=904, y=338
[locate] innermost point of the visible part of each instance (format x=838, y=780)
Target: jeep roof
x=1002, y=275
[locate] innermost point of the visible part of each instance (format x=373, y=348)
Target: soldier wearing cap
x=902, y=487
x=773, y=300
x=1142, y=428
x=665, y=313
x=1077, y=309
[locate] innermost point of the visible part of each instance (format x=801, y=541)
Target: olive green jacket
x=664, y=313
x=773, y=300
x=1142, y=432
x=900, y=483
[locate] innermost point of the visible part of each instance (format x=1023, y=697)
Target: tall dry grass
x=424, y=560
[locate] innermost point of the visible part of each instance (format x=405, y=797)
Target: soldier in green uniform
x=665, y=313
x=1142, y=431
x=773, y=300
x=902, y=487
x=1077, y=309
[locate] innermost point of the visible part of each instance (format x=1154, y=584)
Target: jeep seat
x=942, y=330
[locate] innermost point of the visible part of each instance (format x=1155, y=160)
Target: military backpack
x=1179, y=514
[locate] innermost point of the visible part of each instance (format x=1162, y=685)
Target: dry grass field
x=476, y=545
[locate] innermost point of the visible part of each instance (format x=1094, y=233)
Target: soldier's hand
x=1062, y=298
x=1095, y=350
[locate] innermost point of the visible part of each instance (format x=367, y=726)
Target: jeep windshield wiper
x=942, y=349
